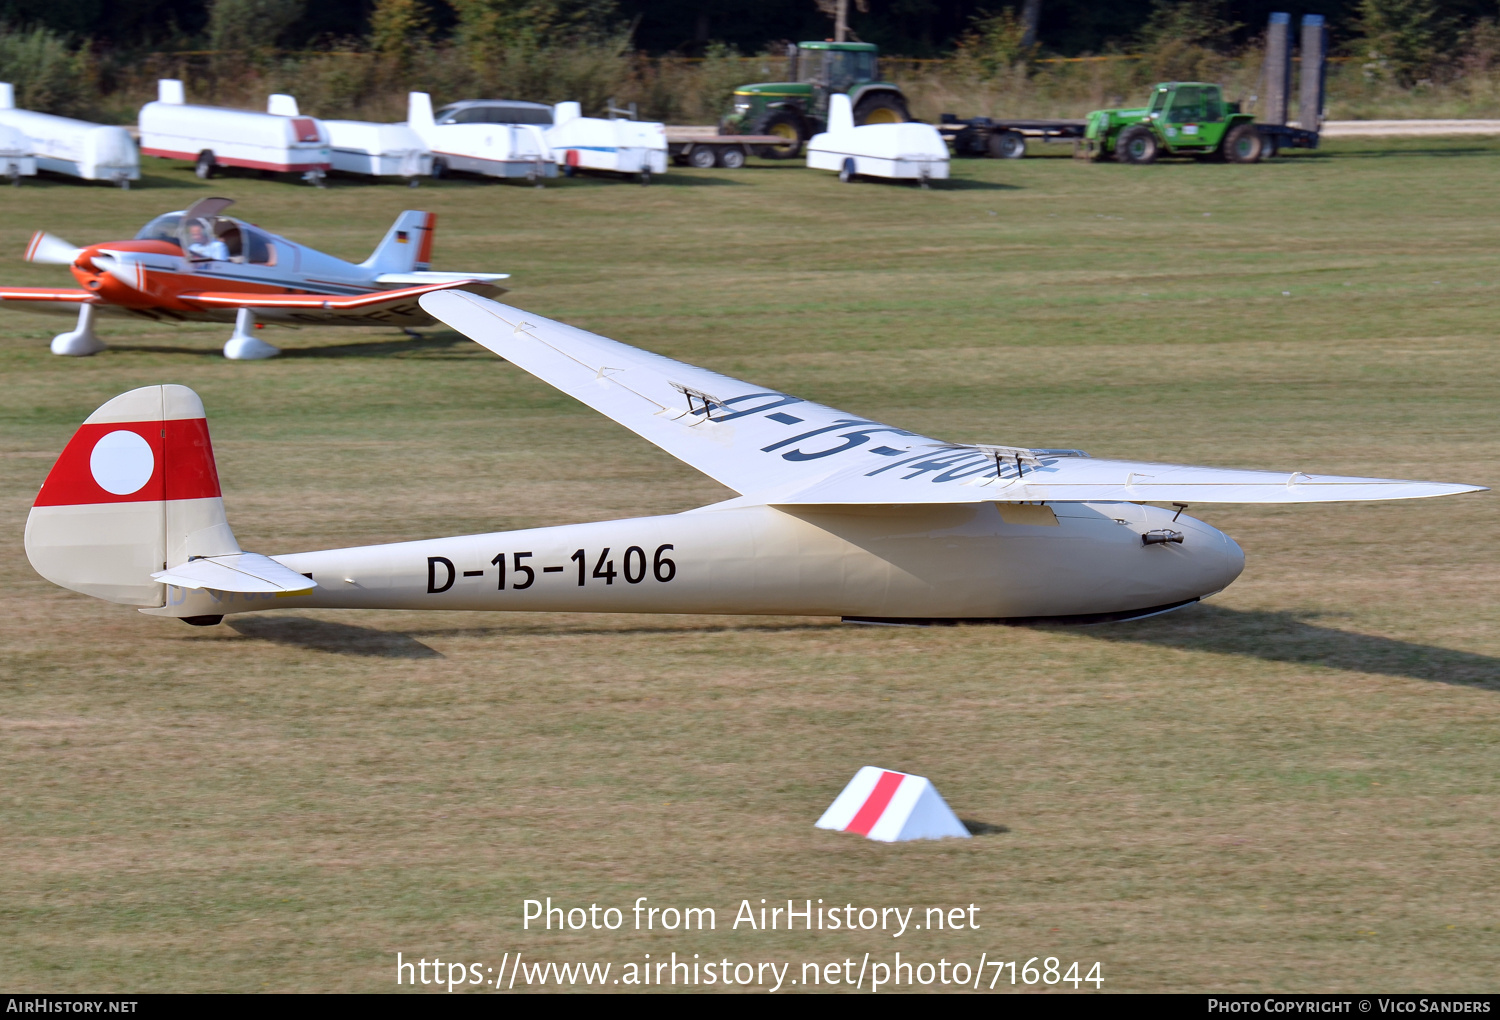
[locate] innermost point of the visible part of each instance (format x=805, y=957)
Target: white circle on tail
x=122, y=462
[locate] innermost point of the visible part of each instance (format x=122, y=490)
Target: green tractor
x=1187, y=119
x=798, y=109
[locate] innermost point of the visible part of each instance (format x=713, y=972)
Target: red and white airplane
x=201, y=266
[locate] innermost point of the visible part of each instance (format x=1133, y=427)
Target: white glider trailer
x=215, y=136
x=16, y=160
x=630, y=147
x=905, y=152
x=496, y=138
x=91, y=152
x=368, y=148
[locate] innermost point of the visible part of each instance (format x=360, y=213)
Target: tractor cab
x=798, y=109
x=834, y=67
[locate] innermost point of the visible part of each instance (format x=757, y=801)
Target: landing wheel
x=1243, y=144
x=882, y=108
x=1137, y=145
x=783, y=124
x=206, y=166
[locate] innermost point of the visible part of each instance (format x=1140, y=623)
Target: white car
x=496, y=138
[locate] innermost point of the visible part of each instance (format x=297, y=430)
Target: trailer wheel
x=702, y=157
x=1137, y=145
x=1007, y=145
x=1243, y=144
x=1268, y=147
x=439, y=169
x=848, y=171
x=206, y=166
x=731, y=157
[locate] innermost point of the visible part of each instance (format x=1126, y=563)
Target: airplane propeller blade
x=51, y=250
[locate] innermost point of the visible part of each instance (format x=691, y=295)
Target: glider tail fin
x=134, y=491
x=407, y=245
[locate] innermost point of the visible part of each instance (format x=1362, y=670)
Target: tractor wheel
x=1137, y=145
x=783, y=124
x=1007, y=145
x=206, y=165
x=881, y=108
x=1243, y=144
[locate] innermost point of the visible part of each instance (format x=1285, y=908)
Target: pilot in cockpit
x=201, y=244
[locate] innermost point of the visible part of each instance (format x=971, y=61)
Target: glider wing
x=782, y=450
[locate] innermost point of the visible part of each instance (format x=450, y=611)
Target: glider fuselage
x=975, y=561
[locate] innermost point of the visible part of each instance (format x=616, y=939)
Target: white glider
x=838, y=515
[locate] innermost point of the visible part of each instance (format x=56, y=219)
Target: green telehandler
x=1187, y=119
x=798, y=109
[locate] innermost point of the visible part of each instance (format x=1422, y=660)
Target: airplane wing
x=779, y=449
x=333, y=303
x=67, y=295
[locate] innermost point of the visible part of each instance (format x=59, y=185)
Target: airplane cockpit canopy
x=205, y=236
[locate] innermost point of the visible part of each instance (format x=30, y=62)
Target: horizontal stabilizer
x=239, y=572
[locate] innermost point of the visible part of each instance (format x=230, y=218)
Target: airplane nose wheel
x=243, y=344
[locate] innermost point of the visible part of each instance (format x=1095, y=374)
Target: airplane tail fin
x=407, y=245
x=134, y=491
x=419, y=111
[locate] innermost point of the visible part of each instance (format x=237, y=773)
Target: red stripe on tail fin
x=424, y=253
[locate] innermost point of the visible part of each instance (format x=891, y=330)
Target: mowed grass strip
x=1290, y=787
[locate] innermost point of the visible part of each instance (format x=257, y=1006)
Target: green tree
x=995, y=43
x=397, y=25
x=246, y=25
x=1404, y=40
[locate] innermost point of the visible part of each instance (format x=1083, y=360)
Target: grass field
x=1290, y=787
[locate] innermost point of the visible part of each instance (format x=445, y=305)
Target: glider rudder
x=135, y=490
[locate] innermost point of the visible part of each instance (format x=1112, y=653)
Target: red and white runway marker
x=892, y=807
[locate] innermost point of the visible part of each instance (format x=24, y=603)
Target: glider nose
x=1211, y=560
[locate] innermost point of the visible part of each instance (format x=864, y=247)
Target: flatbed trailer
x=1005, y=138
x=704, y=147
